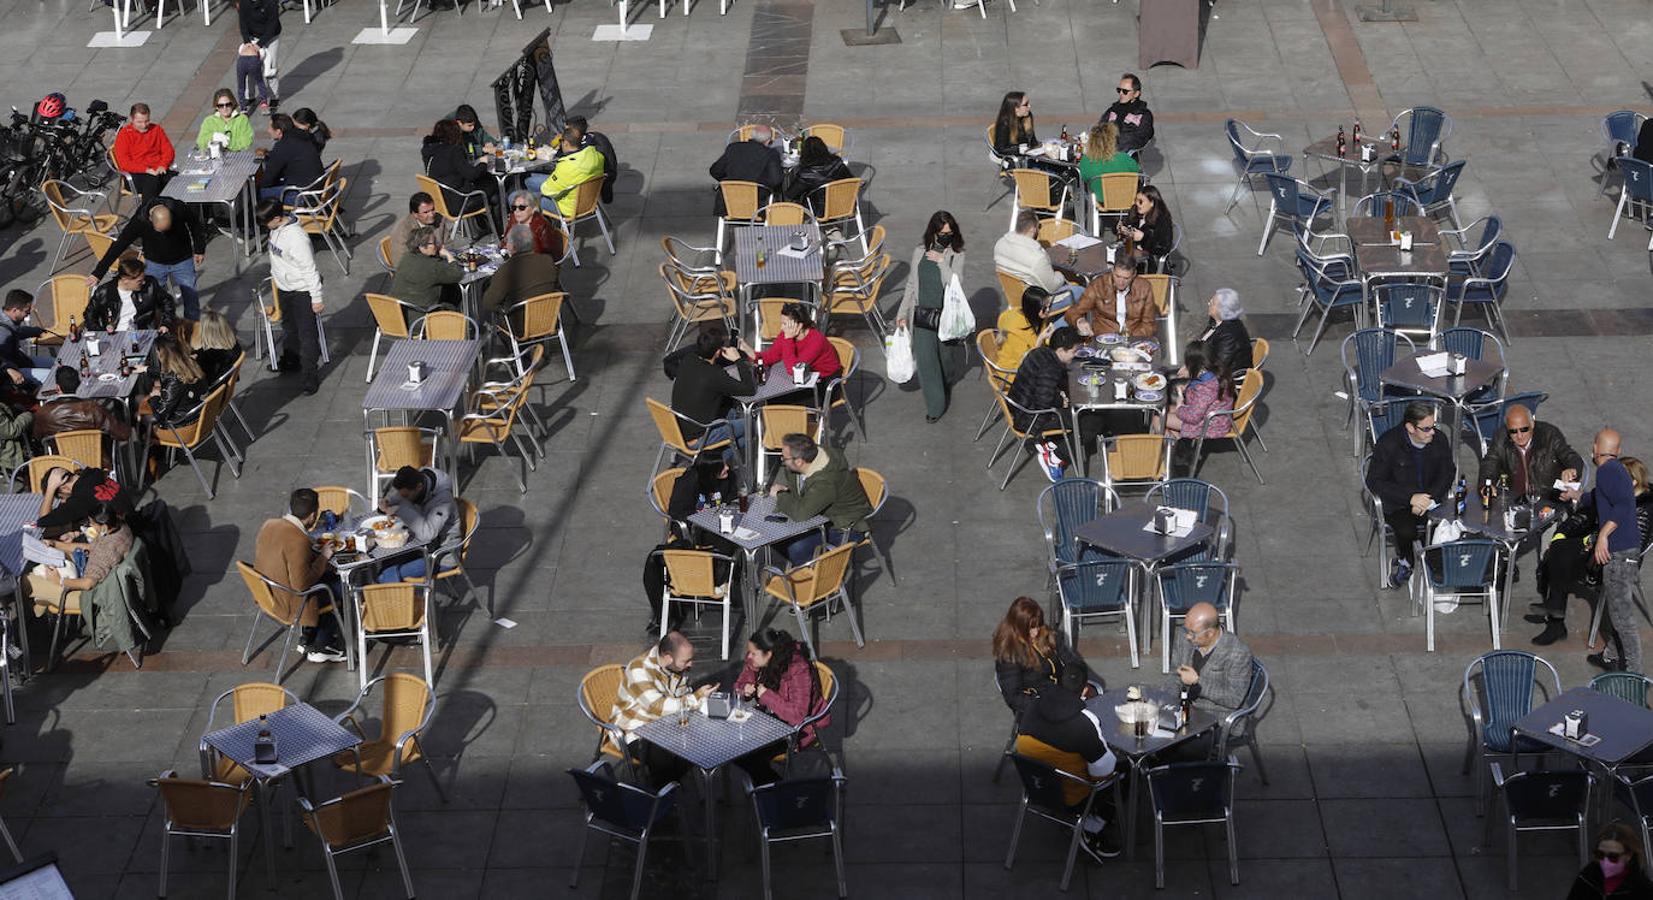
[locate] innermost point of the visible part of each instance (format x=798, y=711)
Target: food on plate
x=1152, y=381
x=1127, y=355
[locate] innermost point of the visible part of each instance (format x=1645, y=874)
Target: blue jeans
x=182, y=275
x=283, y=192
x=735, y=432
x=532, y=185
x=803, y=548
x=413, y=568
x=1065, y=296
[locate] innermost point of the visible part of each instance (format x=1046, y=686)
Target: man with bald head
x=655, y=685
x=750, y=160
x=1531, y=454
x=173, y=243
x=1617, y=543
x=1214, y=663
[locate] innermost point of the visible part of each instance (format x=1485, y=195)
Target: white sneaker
x=325, y=655
x=1050, y=462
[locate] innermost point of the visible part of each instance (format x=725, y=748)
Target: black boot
x=1554, y=630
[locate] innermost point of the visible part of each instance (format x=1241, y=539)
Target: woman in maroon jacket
x=779, y=677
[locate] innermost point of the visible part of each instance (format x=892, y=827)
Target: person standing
x=144, y=152
x=173, y=242
x=261, y=24
x=937, y=260
x=1617, y=551
x=293, y=266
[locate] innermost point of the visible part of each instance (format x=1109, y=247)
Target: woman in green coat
x=936, y=260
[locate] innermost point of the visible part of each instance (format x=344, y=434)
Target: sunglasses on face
x=1515, y=431
x=1609, y=855
x=1123, y=90
x=224, y=105
x=521, y=207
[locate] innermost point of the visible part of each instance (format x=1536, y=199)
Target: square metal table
x=1136, y=751
x=16, y=510
x=708, y=744
x=113, y=348
x=225, y=182
x=777, y=382
x=303, y=735
x=1088, y=398
x=1478, y=373
x=778, y=267
x=1492, y=529
x=764, y=533
x=1122, y=533
x=1084, y=264
x=1325, y=150
x=448, y=367
x=1625, y=728
x=1377, y=257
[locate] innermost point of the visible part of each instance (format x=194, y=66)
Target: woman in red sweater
x=779, y=677
x=144, y=152
x=801, y=342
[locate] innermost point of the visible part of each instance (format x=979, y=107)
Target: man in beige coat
x=284, y=555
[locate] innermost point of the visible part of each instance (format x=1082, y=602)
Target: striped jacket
x=649, y=691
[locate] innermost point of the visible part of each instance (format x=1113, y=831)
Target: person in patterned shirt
x=656, y=685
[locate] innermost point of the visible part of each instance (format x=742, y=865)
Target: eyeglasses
x=1123, y=90
x=1515, y=431
x=1609, y=855
x=520, y=207
x=224, y=105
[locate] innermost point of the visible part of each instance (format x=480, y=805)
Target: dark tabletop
x=766, y=532
x=1478, y=373
x=1625, y=728
x=1122, y=738
x=1085, y=264
x=1121, y=533
x=1326, y=148
x=1493, y=524
x=1370, y=230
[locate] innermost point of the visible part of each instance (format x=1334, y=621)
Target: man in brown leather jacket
x=67, y=412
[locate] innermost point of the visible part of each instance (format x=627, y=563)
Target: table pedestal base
x=622, y=32
x=398, y=35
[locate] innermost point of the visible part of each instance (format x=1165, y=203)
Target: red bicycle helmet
x=50, y=106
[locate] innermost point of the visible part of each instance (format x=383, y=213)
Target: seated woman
x=1045, y=683
x=102, y=542
x=1102, y=155
x=817, y=166
x=1024, y=328
x=778, y=676
x=445, y=160
x=305, y=120
x=215, y=344
x=525, y=210
x=1013, y=126
x=1210, y=389
x=179, y=384
x=228, y=120
x=1148, y=226
x=801, y=342
x=1227, y=342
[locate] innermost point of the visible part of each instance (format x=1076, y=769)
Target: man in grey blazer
x=1214, y=663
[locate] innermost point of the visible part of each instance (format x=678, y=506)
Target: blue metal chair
x=1062, y=508
x=1266, y=155
x=1381, y=533
x=1411, y=307
x=1620, y=130
x=1636, y=193
x=1210, y=506
x=1487, y=418
x=1240, y=726
x=1506, y=678
x=798, y=810
x=1458, y=569
x=1375, y=204
x=1426, y=130
x=619, y=810
x=1472, y=255
x=1637, y=796
x=1544, y=801
x=1366, y=355
x=1193, y=793
x=1099, y=586
x=1486, y=290
x=1043, y=796
x=1433, y=192
x=1184, y=584
x=1631, y=687
x=1325, y=289
x=1290, y=200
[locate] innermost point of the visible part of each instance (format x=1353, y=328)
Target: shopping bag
x=898, y=352
x=957, y=321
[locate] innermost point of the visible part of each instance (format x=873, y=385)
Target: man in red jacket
x=143, y=151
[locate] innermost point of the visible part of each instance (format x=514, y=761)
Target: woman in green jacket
x=1102, y=155
x=227, y=119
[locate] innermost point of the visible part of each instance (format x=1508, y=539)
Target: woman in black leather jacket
x=817, y=165
x=179, y=384
x=152, y=305
x=1226, y=340
x=445, y=160
x=1149, y=225
x=1042, y=677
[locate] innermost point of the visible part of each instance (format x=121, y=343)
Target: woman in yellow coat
x=1024, y=327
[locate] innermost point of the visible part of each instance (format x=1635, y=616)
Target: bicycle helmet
x=50, y=106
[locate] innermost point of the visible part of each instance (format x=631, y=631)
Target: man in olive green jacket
x=813, y=482
x=423, y=271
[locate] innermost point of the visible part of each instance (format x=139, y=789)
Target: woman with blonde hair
x=1102, y=155
x=179, y=384
x=215, y=344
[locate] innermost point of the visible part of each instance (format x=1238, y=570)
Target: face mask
x=1611, y=869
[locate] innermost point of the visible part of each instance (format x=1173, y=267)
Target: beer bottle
x=1342, y=143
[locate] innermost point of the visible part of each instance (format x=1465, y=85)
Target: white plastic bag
x=957, y=321
x=898, y=353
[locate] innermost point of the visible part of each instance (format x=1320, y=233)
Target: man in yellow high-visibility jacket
x=575, y=166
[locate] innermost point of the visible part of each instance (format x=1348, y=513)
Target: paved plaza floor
x=1364, y=739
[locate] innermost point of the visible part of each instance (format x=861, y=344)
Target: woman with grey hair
x=524, y=210
x=1227, y=343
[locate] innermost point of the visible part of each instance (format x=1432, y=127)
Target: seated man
x=71, y=496
x=292, y=164
x=1410, y=471
x=22, y=368
x=656, y=685
x=749, y=160
x=67, y=412
x=477, y=140
x=702, y=391
x=525, y=274
x=813, y=482
x=1118, y=304
x=144, y=152
x=1019, y=253
x=422, y=499
x=1531, y=454
x=283, y=554
x=575, y=166
x=1213, y=663
x=1131, y=114
x=173, y=242
x=427, y=277
x=421, y=212
x=611, y=160
x=132, y=299
x=1041, y=384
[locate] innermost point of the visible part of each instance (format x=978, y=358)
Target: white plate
x=109, y=376
x=1149, y=381
x=1127, y=355
x=1111, y=337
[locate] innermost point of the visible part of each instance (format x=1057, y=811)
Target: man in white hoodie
x=298, y=281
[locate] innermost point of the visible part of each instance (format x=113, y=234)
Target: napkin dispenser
x=717, y=705
x=1457, y=363
x=1406, y=241
x=1575, y=725
x=1172, y=521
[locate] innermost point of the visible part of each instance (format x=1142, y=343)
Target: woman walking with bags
x=937, y=260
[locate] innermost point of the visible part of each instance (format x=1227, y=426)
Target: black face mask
x=942, y=242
